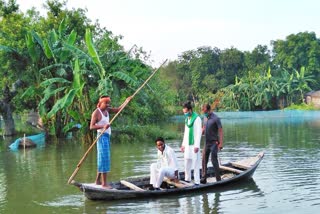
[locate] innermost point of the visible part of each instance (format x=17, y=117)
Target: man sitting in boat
x=166, y=166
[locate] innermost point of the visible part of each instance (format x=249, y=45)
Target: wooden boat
x=232, y=172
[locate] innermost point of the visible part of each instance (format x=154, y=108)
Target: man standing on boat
x=191, y=143
x=213, y=142
x=166, y=166
x=100, y=122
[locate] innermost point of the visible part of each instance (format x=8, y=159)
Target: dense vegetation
x=258, y=80
x=61, y=63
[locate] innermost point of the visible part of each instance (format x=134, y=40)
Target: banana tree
x=72, y=106
x=286, y=91
x=114, y=62
x=81, y=93
x=302, y=81
x=265, y=91
x=229, y=100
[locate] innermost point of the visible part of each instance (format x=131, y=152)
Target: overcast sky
x=167, y=28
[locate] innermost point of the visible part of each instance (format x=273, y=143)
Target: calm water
x=287, y=180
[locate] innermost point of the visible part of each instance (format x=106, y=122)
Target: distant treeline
x=262, y=79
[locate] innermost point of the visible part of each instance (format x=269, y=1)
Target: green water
x=287, y=180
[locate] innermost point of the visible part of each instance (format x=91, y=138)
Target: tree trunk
x=9, y=126
x=6, y=109
x=59, y=126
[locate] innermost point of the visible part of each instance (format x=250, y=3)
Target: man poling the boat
x=100, y=122
x=105, y=128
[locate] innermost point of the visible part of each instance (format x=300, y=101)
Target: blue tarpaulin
x=38, y=139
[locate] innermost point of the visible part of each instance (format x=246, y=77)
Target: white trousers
x=194, y=164
x=157, y=175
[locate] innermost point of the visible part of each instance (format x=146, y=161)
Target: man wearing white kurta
x=191, y=143
x=166, y=166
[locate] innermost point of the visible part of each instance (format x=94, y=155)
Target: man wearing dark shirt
x=213, y=142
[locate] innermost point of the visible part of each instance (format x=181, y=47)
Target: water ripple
x=69, y=200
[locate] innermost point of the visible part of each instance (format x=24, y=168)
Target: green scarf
x=190, y=126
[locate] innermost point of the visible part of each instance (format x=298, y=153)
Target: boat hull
x=120, y=191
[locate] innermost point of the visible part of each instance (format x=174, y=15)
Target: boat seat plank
x=247, y=163
x=185, y=183
x=179, y=184
x=230, y=169
x=227, y=176
x=211, y=180
x=240, y=165
x=131, y=185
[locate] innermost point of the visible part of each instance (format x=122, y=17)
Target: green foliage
x=264, y=82
x=68, y=63
x=267, y=92
x=302, y=106
x=127, y=133
x=8, y=8
x=93, y=53
x=192, y=68
x=297, y=51
x=232, y=64
x=259, y=60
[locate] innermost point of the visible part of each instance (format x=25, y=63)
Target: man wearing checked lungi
x=100, y=122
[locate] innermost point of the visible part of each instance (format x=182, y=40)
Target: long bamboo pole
x=115, y=116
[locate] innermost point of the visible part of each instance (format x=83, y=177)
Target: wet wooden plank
x=247, y=163
x=131, y=185
x=185, y=183
x=240, y=165
x=230, y=169
x=179, y=184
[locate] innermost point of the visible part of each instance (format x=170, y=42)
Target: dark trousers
x=210, y=148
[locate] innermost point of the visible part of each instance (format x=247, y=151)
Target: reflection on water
x=287, y=179
x=211, y=206
x=65, y=201
x=3, y=191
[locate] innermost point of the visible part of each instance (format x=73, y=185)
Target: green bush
x=302, y=106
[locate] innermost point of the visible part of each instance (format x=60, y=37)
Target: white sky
x=166, y=28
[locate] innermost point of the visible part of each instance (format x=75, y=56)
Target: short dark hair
x=207, y=106
x=187, y=105
x=104, y=96
x=159, y=139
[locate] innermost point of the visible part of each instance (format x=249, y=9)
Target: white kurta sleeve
x=185, y=140
x=197, y=132
x=173, y=160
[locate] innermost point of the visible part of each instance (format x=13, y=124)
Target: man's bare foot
x=106, y=187
x=98, y=183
